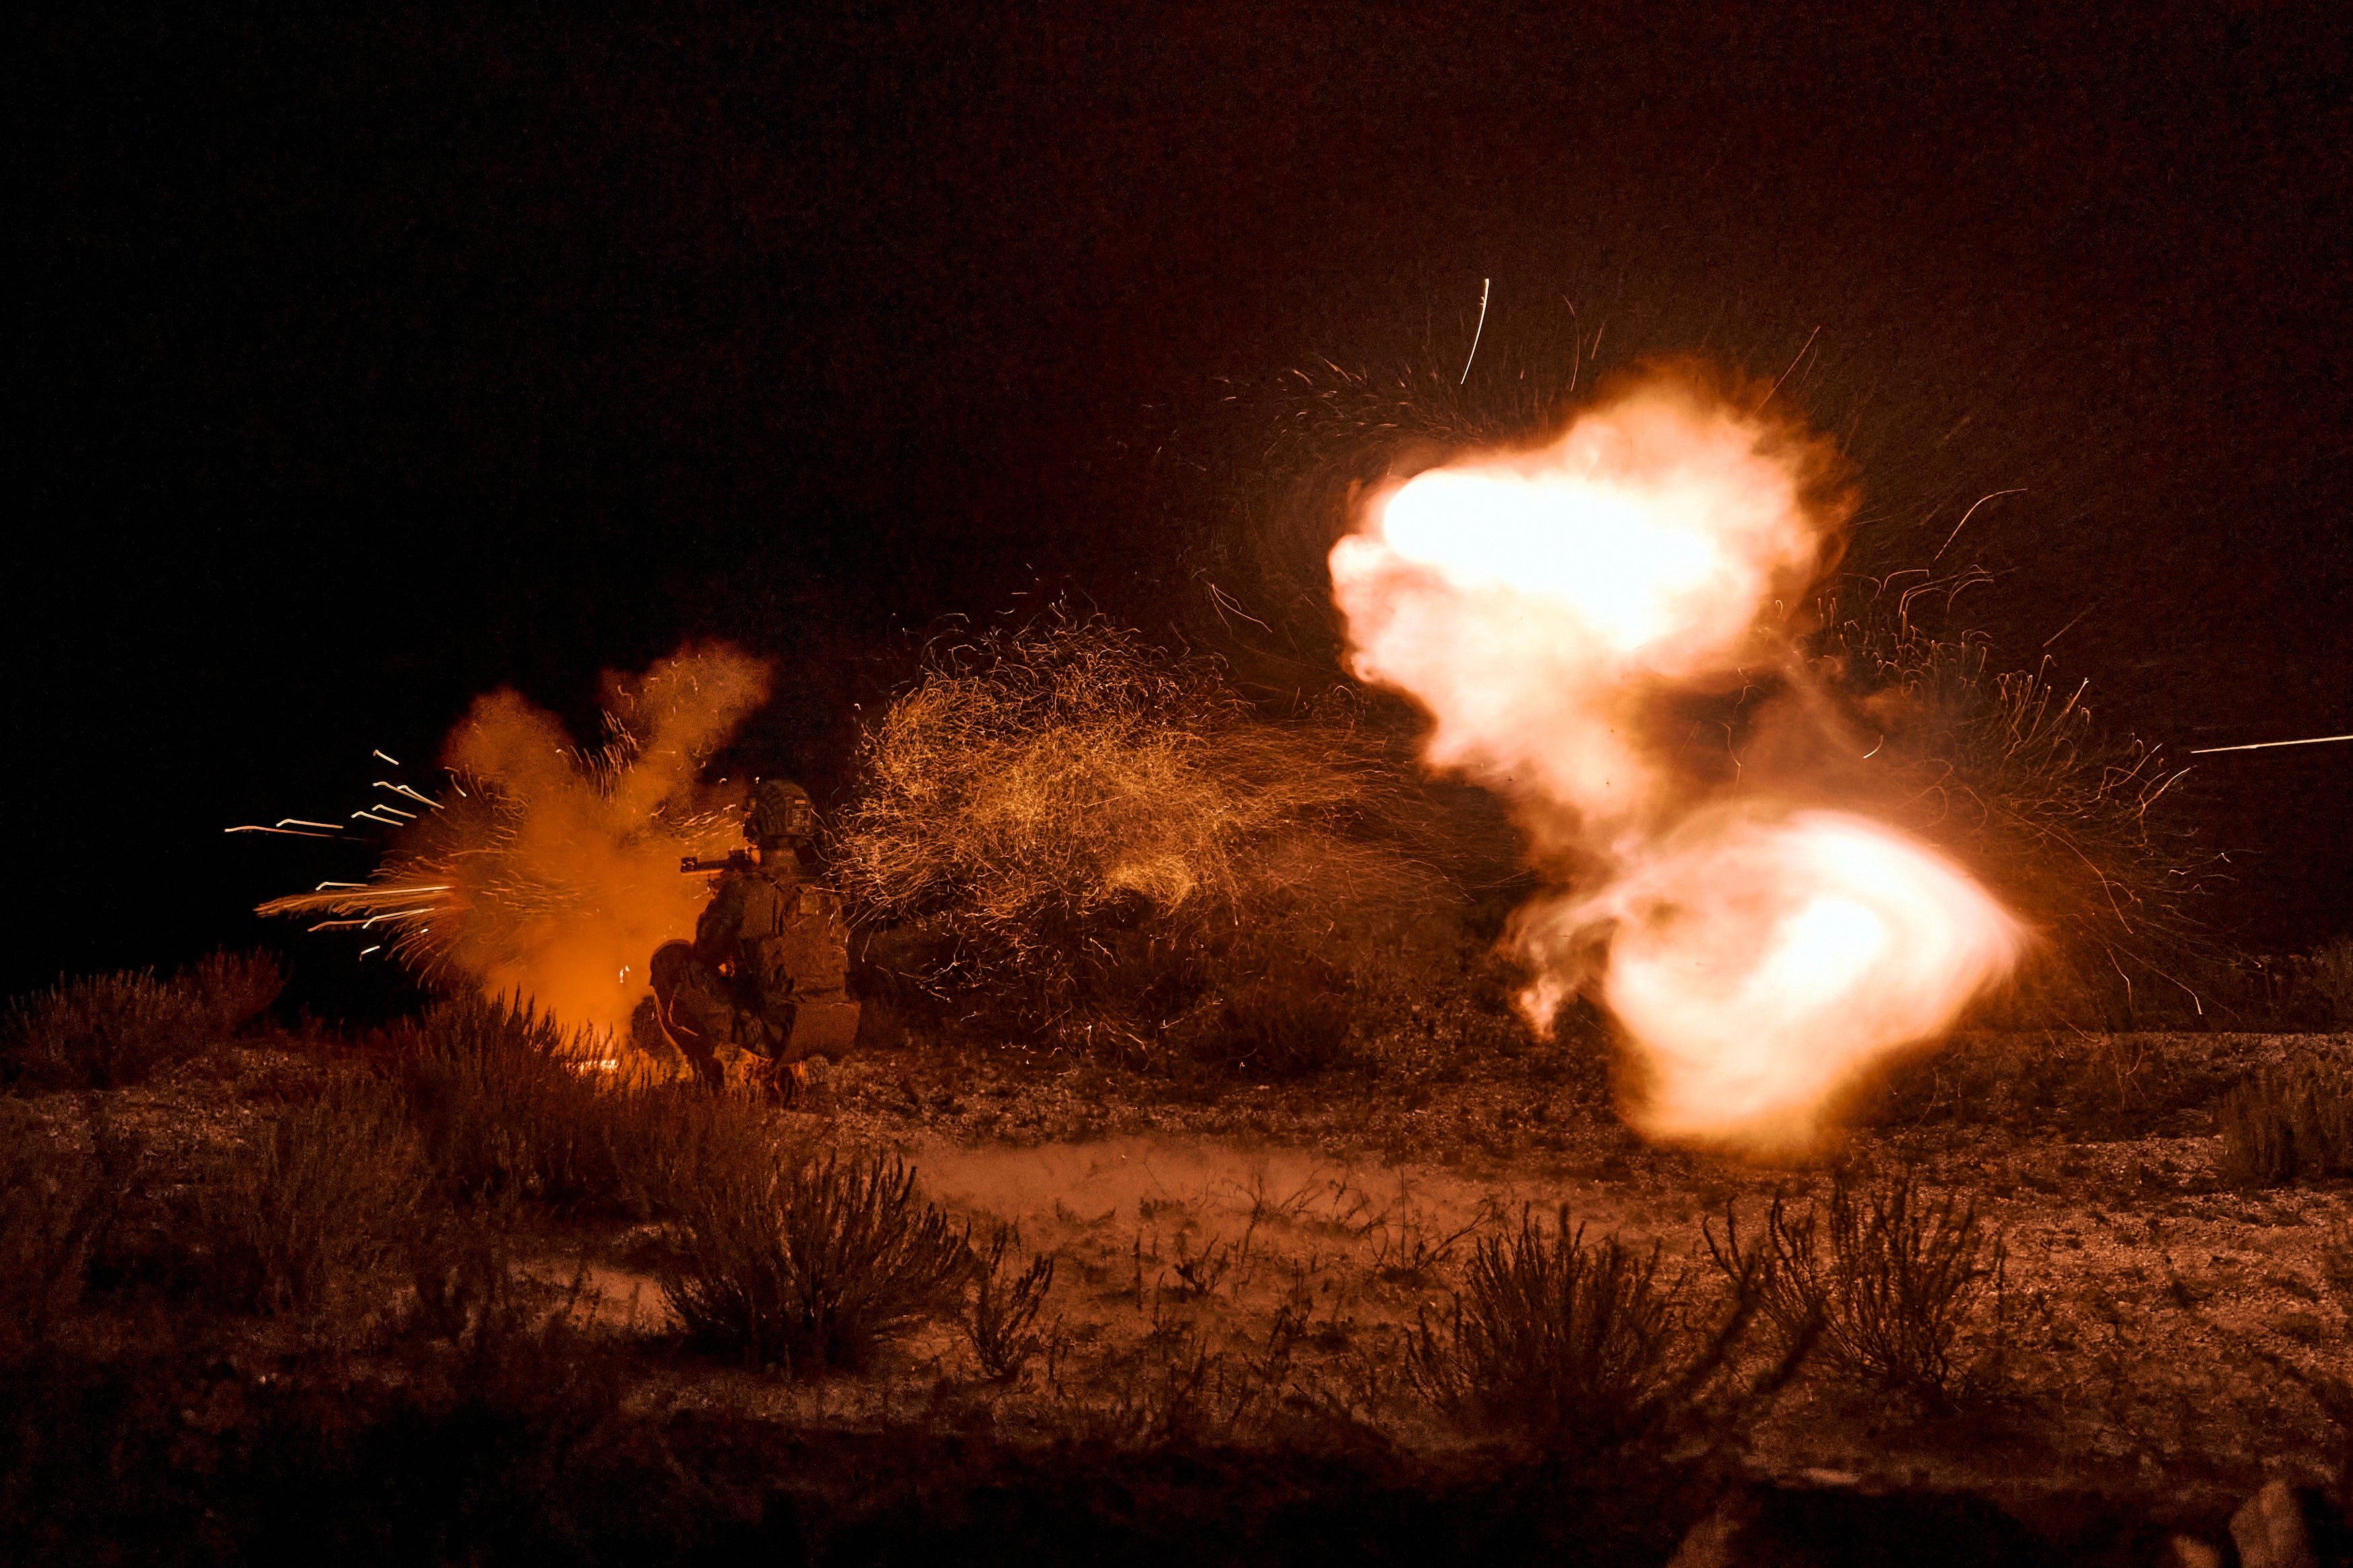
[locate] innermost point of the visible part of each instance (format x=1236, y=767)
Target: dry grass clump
x=1553, y=1335
x=1107, y=841
x=236, y=988
x=497, y=1094
x=2292, y=1121
x=2086, y=1088
x=509, y=1108
x=1880, y=1278
x=781, y=1262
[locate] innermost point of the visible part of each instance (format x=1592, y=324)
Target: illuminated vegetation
x=2291, y=1121
x=1098, y=842
x=108, y=1031
x=438, y=1293
x=1880, y=1277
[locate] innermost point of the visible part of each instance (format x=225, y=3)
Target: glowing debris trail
x=2266, y=745
x=1544, y=606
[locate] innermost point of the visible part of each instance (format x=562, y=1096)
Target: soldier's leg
x=692, y=1007
x=774, y=1031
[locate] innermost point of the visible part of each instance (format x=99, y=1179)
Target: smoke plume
x=1554, y=611
x=548, y=871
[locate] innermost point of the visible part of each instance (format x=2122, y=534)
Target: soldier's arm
x=716, y=930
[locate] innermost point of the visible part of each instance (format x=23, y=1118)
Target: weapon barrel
x=738, y=861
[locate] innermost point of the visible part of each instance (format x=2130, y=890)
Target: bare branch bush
x=781, y=1262
x=1001, y=1314
x=510, y=1109
x=1881, y=1278
x=109, y=1031
x=236, y=988
x=1576, y=1341
x=104, y=1031
x=497, y=1093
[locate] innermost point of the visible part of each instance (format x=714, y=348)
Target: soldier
x=764, y=972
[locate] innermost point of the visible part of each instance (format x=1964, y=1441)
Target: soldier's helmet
x=781, y=810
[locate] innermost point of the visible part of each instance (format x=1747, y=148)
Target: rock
x=2189, y=1551
x=1708, y=1545
x=1825, y=1527
x=2270, y=1532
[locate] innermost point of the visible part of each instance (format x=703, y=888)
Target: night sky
x=365, y=366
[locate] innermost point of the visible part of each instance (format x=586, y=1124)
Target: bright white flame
x=1538, y=604
x=1764, y=962
x=1521, y=597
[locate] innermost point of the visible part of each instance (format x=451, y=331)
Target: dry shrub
x=56, y=1203
x=236, y=988
x=498, y=1095
x=1580, y=1342
x=1106, y=841
x=104, y=1031
x=1881, y=1280
x=2285, y=1122
x=315, y=1203
x=1001, y=1315
x=108, y=1031
x=781, y=1262
x=508, y=1112
x=2085, y=1088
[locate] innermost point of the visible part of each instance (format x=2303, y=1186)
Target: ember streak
x=1546, y=608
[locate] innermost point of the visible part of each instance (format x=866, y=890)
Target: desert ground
x=1232, y=1359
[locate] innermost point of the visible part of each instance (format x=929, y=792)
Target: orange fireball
x=1540, y=604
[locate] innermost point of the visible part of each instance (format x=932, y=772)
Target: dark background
x=366, y=365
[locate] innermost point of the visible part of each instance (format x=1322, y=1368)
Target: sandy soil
x=1231, y=1256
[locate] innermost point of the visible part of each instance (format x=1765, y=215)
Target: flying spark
x=2266, y=745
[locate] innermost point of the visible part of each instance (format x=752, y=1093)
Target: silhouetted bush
x=105, y=1031
x=236, y=988
x=1881, y=1278
x=315, y=1204
x=2332, y=978
x=1582, y=1341
x=1001, y=1314
x=510, y=1107
x=498, y=1096
x=786, y=1263
x=108, y=1031
x=56, y=1202
x=2289, y=1121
